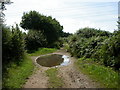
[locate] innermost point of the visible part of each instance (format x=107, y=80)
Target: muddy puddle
x=53, y=60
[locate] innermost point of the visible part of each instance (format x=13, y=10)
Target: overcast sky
x=72, y=14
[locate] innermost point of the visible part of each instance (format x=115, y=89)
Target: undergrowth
x=54, y=80
x=16, y=75
x=42, y=51
x=106, y=76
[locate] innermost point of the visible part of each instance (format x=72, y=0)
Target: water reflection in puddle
x=53, y=60
x=66, y=60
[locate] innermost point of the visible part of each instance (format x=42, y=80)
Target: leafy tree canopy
x=90, y=32
x=49, y=26
x=34, y=40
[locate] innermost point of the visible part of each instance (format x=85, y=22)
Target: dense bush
x=34, y=40
x=86, y=47
x=86, y=42
x=90, y=32
x=102, y=46
x=65, y=34
x=110, y=51
x=49, y=26
x=6, y=44
x=13, y=45
x=57, y=44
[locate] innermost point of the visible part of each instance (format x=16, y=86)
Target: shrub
x=13, y=45
x=34, y=40
x=49, y=26
x=110, y=51
x=102, y=46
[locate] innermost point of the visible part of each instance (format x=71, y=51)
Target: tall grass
x=104, y=75
x=16, y=75
x=41, y=51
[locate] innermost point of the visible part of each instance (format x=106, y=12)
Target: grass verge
x=42, y=51
x=104, y=75
x=54, y=80
x=16, y=75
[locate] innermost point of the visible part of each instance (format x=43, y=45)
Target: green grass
x=54, y=80
x=17, y=75
x=42, y=51
x=104, y=75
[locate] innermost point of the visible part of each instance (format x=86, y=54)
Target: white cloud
x=71, y=25
x=91, y=0
x=72, y=14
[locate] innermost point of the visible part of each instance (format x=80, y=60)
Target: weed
x=54, y=80
x=16, y=75
x=105, y=75
x=42, y=51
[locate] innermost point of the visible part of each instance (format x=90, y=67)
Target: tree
x=49, y=26
x=31, y=21
x=13, y=45
x=34, y=40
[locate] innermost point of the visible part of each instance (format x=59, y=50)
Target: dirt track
x=72, y=78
